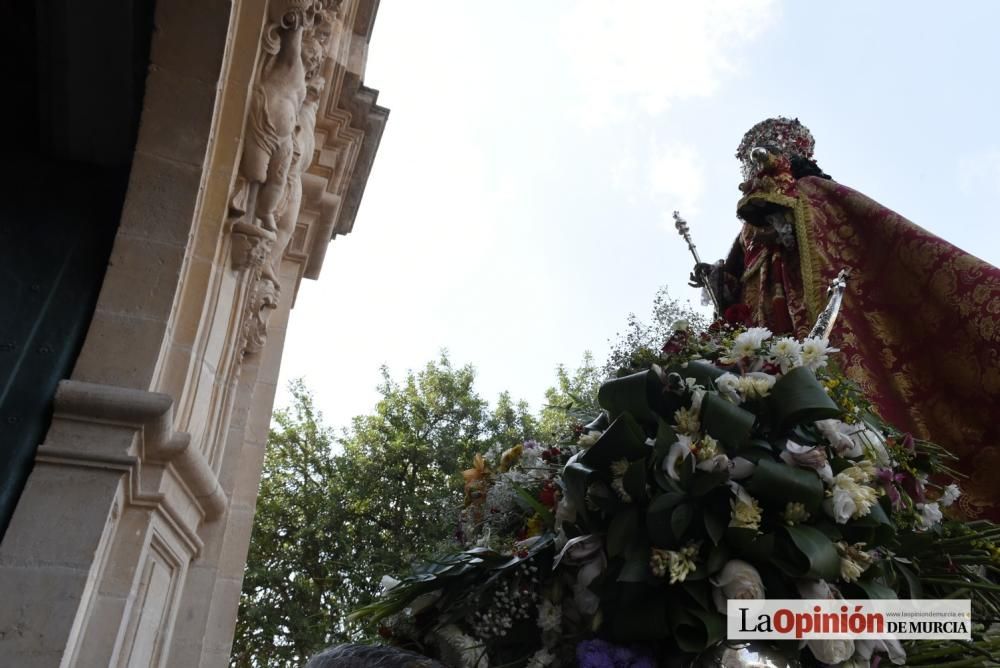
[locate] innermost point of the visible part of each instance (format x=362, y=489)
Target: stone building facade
x=127, y=544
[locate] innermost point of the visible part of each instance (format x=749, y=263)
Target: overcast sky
x=519, y=205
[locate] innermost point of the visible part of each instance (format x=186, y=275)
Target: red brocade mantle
x=919, y=328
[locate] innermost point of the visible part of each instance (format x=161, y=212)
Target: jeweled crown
x=785, y=136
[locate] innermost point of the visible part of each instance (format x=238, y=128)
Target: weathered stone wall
x=128, y=544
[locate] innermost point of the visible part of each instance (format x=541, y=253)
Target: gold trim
x=806, y=243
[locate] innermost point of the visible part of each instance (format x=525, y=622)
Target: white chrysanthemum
x=746, y=344
x=549, y=616
x=540, y=659
x=746, y=513
x=786, y=353
x=795, y=513
x=687, y=421
x=458, y=649
x=708, y=447
x=756, y=385
x=588, y=439
x=853, y=561
x=815, y=351
x=618, y=469
x=930, y=515
x=949, y=495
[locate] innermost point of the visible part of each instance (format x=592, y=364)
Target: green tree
x=335, y=514
x=641, y=340
x=572, y=400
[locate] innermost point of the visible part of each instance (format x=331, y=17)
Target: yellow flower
x=535, y=526
x=510, y=457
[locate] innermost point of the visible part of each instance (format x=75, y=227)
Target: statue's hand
x=702, y=272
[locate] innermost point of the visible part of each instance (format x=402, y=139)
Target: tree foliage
x=335, y=513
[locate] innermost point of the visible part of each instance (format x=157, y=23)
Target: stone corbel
x=251, y=246
x=117, y=416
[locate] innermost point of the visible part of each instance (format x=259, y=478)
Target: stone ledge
x=150, y=413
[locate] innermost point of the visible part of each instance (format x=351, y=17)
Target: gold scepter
x=685, y=231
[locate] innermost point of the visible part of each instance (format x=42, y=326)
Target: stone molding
x=157, y=450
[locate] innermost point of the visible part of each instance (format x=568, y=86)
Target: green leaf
x=634, y=480
x=665, y=437
x=717, y=558
x=636, y=566
x=876, y=590
x=715, y=524
x=624, y=439
x=639, y=620
x=726, y=422
x=680, y=519
x=536, y=505
x=912, y=581
x=577, y=477
x=814, y=556
x=622, y=530
x=703, y=372
x=639, y=395
x=797, y=397
x=704, y=482
x=750, y=545
x=658, y=518
x=694, y=630
x=779, y=483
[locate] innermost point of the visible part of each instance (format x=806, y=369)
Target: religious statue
x=919, y=328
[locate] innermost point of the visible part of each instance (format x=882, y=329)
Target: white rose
x=841, y=506
x=831, y=651
x=737, y=580
x=865, y=649
x=728, y=386
x=815, y=589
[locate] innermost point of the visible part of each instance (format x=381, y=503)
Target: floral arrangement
x=739, y=465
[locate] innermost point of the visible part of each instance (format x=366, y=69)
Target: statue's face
x=312, y=56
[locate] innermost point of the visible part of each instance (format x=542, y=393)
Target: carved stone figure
x=303, y=146
x=280, y=142
x=274, y=111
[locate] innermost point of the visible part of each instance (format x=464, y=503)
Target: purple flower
x=914, y=487
x=602, y=654
x=888, y=479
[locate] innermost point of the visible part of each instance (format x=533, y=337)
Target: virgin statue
x=919, y=328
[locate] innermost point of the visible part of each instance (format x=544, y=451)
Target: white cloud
x=677, y=179
x=980, y=172
x=638, y=56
